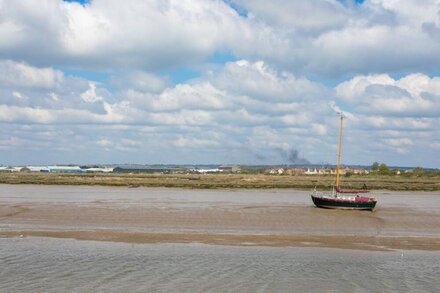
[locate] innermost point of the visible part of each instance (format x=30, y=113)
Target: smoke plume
x=292, y=157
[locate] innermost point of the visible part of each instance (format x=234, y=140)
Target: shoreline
x=369, y=243
x=223, y=181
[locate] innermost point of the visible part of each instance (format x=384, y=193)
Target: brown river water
x=167, y=240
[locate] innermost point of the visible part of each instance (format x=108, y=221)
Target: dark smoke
x=292, y=157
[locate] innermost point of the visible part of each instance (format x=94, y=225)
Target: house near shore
x=311, y=171
x=294, y=171
x=276, y=171
x=314, y=171
x=357, y=171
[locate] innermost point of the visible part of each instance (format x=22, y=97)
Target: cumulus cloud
x=243, y=112
x=25, y=85
x=260, y=81
x=214, y=111
x=289, y=15
x=140, y=81
x=90, y=95
x=415, y=95
x=340, y=38
x=194, y=142
x=329, y=38
x=101, y=34
x=199, y=96
x=23, y=75
x=18, y=95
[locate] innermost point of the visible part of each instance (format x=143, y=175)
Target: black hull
x=330, y=203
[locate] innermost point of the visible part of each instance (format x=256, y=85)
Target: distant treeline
x=382, y=169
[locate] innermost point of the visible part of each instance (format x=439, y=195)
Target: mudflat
x=275, y=217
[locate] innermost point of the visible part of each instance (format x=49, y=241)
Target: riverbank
x=347, y=242
x=224, y=181
x=277, y=217
x=380, y=243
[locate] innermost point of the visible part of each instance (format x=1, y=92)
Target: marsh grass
x=216, y=181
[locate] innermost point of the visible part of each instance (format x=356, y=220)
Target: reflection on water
x=54, y=265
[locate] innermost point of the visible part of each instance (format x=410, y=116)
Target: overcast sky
x=205, y=81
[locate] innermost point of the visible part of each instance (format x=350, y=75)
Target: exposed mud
x=275, y=218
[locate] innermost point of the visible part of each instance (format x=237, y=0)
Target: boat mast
x=339, y=149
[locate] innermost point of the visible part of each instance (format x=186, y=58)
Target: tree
x=375, y=167
x=383, y=169
x=418, y=171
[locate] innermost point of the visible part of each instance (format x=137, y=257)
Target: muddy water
x=53, y=265
x=60, y=265
x=281, y=212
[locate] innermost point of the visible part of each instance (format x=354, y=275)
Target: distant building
x=326, y=171
x=148, y=169
x=356, y=171
x=66, y=169
x=230, y=169
x=295, y=171
x=100, y=170
x=311, y=171
x=38, y=168
x=204, y=171
x=276, y=171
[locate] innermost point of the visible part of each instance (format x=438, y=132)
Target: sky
x=219, y=82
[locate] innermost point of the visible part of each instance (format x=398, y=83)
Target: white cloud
x=194, y=142
x=321, y=15
x=104, y=142
x=90, y=95
x=103, y=33
x=199, y=114
x=14, y=114
x=13, y=74
x=398, y=141
x=199, y=96
x=244, y=112
x=415, y=95
x=18, y=95
x=328, y=38
x=352, y=89
x=260, y=81
x=140, y=81
x=339, y=38
x=54, y=97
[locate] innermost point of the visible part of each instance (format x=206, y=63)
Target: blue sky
x=201, y=81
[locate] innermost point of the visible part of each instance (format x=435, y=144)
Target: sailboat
x=339, y=198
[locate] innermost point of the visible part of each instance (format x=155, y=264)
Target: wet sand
x=226, y=217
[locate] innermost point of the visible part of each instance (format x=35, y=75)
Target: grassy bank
x=213, y=181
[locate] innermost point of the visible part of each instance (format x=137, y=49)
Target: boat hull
x=343, y=204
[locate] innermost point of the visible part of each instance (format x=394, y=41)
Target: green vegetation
x=375, y=180
x=383, y=169
x=375, y=167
